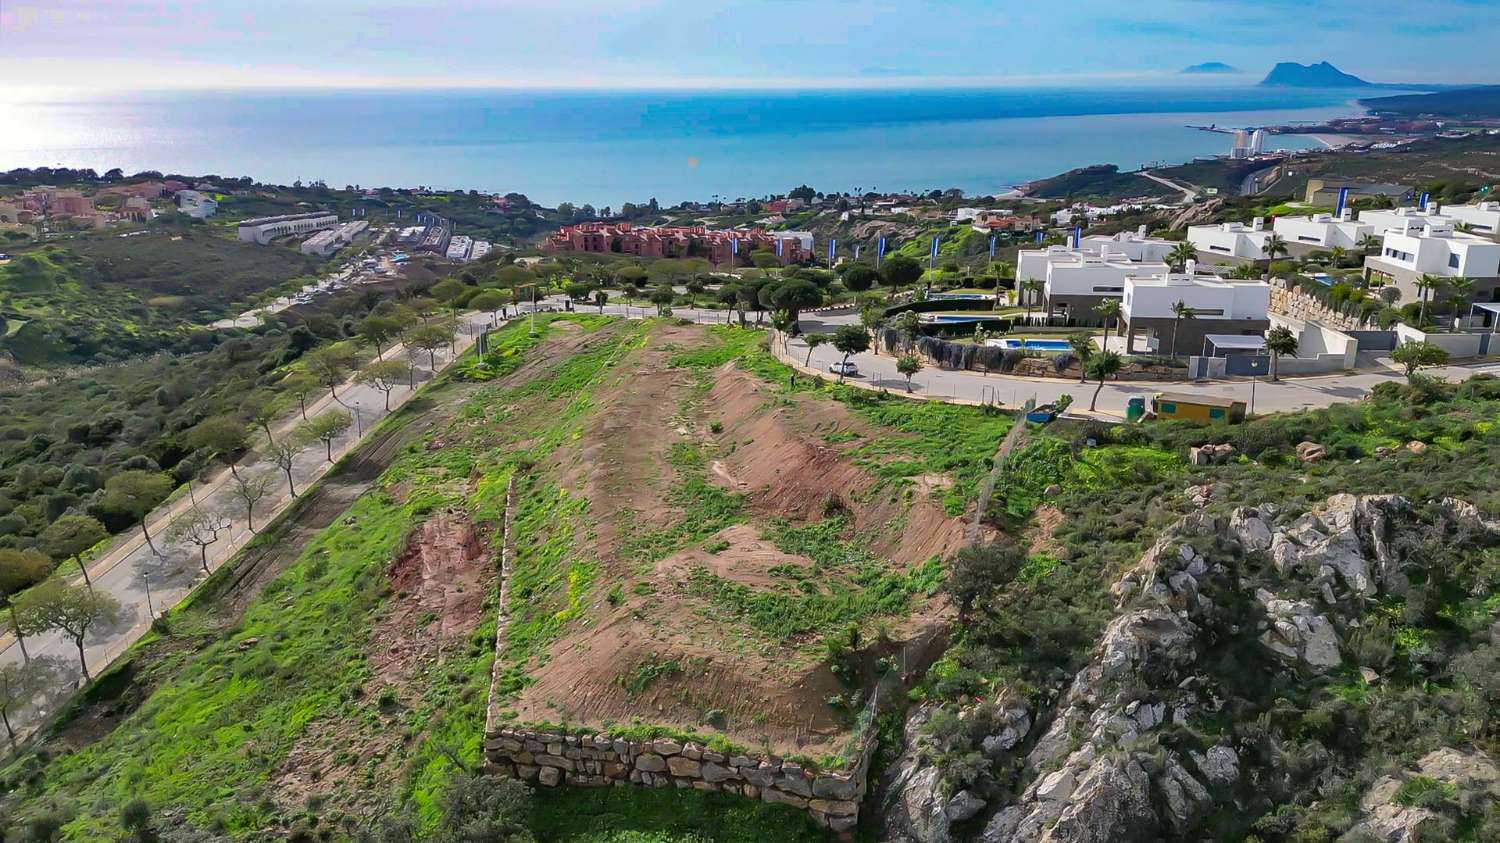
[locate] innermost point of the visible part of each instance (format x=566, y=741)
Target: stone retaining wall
x=1288, y=301
x=832, y=799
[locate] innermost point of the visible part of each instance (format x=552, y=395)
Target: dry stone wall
x=552, y=759
x=1288, y=301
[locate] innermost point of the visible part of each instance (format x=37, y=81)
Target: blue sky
x=696, y=43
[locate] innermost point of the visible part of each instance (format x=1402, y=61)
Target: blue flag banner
x=833, y=246
x=1426, y=197
x=1077, y=236
x=992, y=247
x=1041, y=235
x=734, y=246
x=1343, y=202
x=932, y=256
x=779, y=241
x=880, y=251
x=856, y=252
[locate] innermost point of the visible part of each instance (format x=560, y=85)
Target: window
x=1216, y=412
x=1305, y=239
x=1109, y=289
x=1168, y=408
x=1453, y=260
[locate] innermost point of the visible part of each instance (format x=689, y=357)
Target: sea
x=608, y=147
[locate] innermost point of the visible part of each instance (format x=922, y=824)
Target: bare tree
x=284, y=453
x=20, y=684
x=201, y=528
x=250, y=490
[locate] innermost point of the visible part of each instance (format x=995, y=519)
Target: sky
x=146, y=44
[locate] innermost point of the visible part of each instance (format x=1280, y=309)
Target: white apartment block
x=1231, y=240
x=198, y=205
x=458, y=248
x=263, y=230
x=327, y=242
x=1323, y=231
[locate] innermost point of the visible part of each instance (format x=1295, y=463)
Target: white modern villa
x=1230, y=242
x=1416, y=243
x=1322, y=231
x=1132, y=245
x=1075, y=281
x=1219, y=306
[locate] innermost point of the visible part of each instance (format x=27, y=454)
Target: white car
x=843, y=367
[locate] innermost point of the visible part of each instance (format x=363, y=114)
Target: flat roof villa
x=1416, y=243
x=1219, y=306
x=1322, y=231
x=1230, y=242
x=1075, y=282
x=1481, y=218
x=1133, y=245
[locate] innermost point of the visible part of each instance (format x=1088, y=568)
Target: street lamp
x=359, y=429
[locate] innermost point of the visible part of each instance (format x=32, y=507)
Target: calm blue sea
x=608, y=147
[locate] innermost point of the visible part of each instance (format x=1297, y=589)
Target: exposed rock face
x=1210, y=454
x=1391, y=822
x=912, y=808
x=1311, y=451
x=1297, y=632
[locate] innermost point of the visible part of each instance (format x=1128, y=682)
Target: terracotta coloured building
x=717, y=246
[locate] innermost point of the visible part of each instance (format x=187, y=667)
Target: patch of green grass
x=645, y=674
x=706, y=509
x=637, y=815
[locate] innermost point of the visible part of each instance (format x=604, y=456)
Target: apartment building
x=1424, y=243
x=327, y=242
x=1134, y=245
x=262, y=230
x=717, y=246
x=198, y=205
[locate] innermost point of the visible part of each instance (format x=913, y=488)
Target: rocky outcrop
x=1298, y=632
x=1388, y=820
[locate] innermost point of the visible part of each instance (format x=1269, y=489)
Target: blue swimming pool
x=1039, y=345
x=961, y=296
x=951, y=319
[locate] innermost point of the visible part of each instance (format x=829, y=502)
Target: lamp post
x=359, y=428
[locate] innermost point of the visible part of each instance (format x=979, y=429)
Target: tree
x=385, y=375
x=377, y=330
x=662, y=296
x=449, y=292
x=814, y=340
x=325, y=428
x=1337, y=255
x=300, y=385
x=1427, y=284
x=1180, y=311
x=909, y=325
x=1415, y=355
x=860, y=277
x=790, y=298
x=977, y=572
x=695, y=288
x=577, y=291
x=1103, y=365
x=223, y=436
x=1460, y=293
x=492, y=301
x=201, y=528
x=1109, y=310
x=1274, y=247
x=900, y=270
x=20, y=684
x=69, y=536
x=1082, y=344
x=1180, y=255
x=429, y=338
x=250, y=490
x=850, y=339
x=1369, y=244
x=909, y=365
x=601, y=298
x=134, y=494
x=284, y=454
x=330, y=366
x=69, y=610
x=21, y=569
x=1280, y=340
x=260, y=409
x=1029, y=289
x=870, y=319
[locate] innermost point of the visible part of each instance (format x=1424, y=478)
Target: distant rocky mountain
x=1211, y=67
x=1289, y=74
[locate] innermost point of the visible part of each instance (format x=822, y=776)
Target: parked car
x=843, y=367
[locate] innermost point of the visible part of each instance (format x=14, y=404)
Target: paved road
x=1189, y=194
x=147, y=580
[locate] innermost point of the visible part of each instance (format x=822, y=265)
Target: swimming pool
x=1038, y=345
x=951, y=319
x=961, y=297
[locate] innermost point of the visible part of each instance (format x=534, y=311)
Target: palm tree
x=1029, y=288
x=1109, y=310
x=1180, y=311
x=1279, y=341
x=1103, y=365
x=1460, y=292
x=1369, y=244
x=1426, y=284
x=1180, y=255
x=1338, y=254
x=1083, y=349
x=1274, y=245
